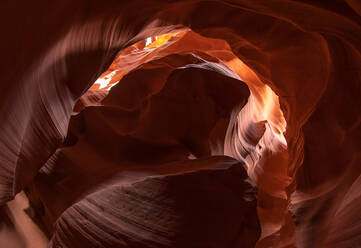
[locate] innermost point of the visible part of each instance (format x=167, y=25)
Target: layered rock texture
x=159, y=123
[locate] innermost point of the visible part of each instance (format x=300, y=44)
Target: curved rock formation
x=274, y=84
x=205, y=208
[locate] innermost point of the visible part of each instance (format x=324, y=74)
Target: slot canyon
x=180, y=124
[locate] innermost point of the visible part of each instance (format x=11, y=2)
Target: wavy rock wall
x=273, y=84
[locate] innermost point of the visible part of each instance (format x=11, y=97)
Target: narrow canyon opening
x=166, y=124
x=182, y=96
x=216, y=106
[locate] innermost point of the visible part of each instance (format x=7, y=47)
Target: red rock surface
x=275, y=84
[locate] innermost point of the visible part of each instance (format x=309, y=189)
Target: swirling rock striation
x=296, y=132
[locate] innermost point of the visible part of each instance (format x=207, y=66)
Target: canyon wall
x=239, y=128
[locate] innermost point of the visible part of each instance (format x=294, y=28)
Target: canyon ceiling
x=190, y=123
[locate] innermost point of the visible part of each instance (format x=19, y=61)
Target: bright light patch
x=148, y=41
x=104, y=81
x=160, y=40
